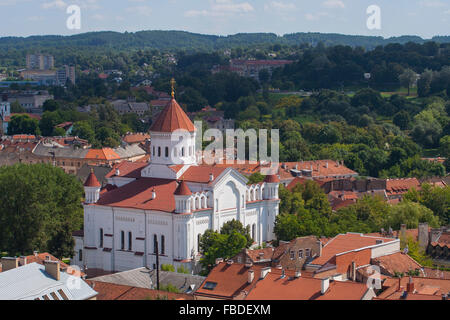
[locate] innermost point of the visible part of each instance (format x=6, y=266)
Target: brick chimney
x=23, y=260
x=9, y=263
x=53, y=269
x=410, y=285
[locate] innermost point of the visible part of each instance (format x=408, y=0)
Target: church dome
x=171, y=119
x=92, y=181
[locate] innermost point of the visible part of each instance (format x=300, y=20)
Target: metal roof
x=31, y=282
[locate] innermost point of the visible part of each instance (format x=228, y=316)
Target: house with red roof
x=235, y=281
x=163, y=206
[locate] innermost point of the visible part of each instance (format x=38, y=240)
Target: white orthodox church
x=171, y=200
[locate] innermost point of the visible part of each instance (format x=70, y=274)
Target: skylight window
x=210, y=285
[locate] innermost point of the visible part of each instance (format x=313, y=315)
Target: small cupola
x=92, y=188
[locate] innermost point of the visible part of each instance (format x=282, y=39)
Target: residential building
x=131, y=106
x=34, y=281
x=415, y=288
x=65, y=73
x=344, y=254
x=169, y=202
x=32, y=101
x=5, y=112
x=40, y=62
x=234, y=281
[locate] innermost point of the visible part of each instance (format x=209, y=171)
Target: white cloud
x=433, y=3
x=316, y=16
x=222, y=8
x=59, y=4
x=331, y=4
x=140, y=10
x=279, y=6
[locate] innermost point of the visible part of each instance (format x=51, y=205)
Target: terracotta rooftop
x=102, y=154
x=183, y=189
x=401, y=186
x=422, y=286
x=171, y=119
x=273, y=287
x=92, y=181
x=320, y=169
x=127, y=169
x=344, y=243
x=229, y=280
x=396, y=262
x=138, y=194
x=200, y=174
x=136, y=138
x=272, y=179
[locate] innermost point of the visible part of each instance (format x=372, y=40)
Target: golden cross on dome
x=172, y=82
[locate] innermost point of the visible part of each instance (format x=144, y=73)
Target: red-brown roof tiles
x=171, y=119
x=92, y=181
x=183, y=189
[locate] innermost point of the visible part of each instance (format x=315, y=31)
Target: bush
x=167, y=267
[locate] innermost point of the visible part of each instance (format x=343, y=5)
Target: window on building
x=101, y=237
x=130, y=241
x=159, y=151
x=80, y=255
x=154, y=153
x=199, y=237
x=122, y=240
x=167, y=152
x=163, y=245
x=300, y=254
x=155, y=244
x=292, y=254
x=254, y=232
x=182, y=152
x=308, y=253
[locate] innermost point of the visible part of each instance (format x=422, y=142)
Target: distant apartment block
x=51, y=77
x=32, y=101
x=40, y=62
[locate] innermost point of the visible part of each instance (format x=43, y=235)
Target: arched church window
x=122, y=240
x=254, y=232
x=182, y=152
x=163, y=245
x=101, y=238
x=130, y=241
x=167, y=152
x=159, y=151
x=199, y=237
x=155, y=241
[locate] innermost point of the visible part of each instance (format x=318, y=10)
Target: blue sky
x=425, y=18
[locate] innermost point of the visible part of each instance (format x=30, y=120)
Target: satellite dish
x=367, y=76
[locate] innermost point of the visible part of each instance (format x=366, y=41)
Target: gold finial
x=172, y=82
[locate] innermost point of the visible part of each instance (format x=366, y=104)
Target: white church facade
x=171, y=201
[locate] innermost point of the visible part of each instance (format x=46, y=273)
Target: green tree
x=84, y=130
x=51, y=105
x=407, y=79
x=17, y=108
x=255, y=178
x=236, y=226
x=41, y=206
x=23, y=124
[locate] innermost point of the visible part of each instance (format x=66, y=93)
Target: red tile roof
x=201, y=173
x=344, y=243
x=273, y=287
x=422, y=286
x=231, y=280
x=272, y=179
x=401, y=186
x=396, y=262
x=172, y=118
x=127, y=169
x=92, y=181
x=136, y=138
x=183, y=189
x=102, y=154
x=138, y=194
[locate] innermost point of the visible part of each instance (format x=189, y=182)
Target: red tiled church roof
x=272, y=179
x=172, y=118
x=92, y=181
x=183, y=189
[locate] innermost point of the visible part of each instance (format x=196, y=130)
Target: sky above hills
x=425, y=18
